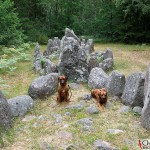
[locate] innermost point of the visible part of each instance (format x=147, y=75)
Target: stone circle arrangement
x=80, y=63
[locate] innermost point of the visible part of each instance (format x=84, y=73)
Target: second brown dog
x=100, y=95
x=63, y=90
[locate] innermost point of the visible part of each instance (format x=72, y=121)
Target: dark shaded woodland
x=126, y=21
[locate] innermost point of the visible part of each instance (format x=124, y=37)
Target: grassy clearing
x=42, y=127
x=128, y=58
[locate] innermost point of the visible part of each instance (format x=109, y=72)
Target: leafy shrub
x=11, y=56
x=42, y=61
x=24, y=57
x=25, y=46
x=100, y=59
x=3, y=83
x=6, y=64
x=42, y=39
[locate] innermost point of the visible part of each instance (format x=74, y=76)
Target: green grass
x=24, y=135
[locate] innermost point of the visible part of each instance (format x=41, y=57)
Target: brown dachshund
x=63, y=90
x=100, y=95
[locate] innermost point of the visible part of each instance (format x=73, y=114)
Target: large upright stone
x=107, y=64
x=97, y=78
x=93, y=62
x=37, y=65
x=5, y=113
x=73, y=60
x=66, y=41
x=49, y=46
x=70, y=33
x=37, y=53
x=53, y=45
x=37, y=56
x=49, y=67
x=56, y=42
x=108, y=54
x=43, y=86
x=145, y=119
x=89, y=47
x=116, y=84
x=133, y=94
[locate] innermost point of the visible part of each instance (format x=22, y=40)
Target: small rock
x=92, y=110
x=65, y=126
x=72, y=147
x=102, y=145
x=128, y=142
x=28, y=118
x=58, y=118
x=41, y=118
x=65, y=135
x=76, y=106
x=46, y=146
x=87, y=128
x=85, y=121
x=116, y=98
x=36, y=124
x=74, y=85
x=137, y=109
x=114, y=131
x=67, y=113
x=108, y=105
x=87, y=97
x=124, y=109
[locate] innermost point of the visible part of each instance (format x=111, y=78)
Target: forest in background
x=126, y=21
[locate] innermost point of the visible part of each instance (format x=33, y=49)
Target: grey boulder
x=108, y=54
x=106, y=64
x=43, y=86
x=145, y=118
x=92, y=110
x=103, y=145
x=5, y=113
x=97, y=78
x=49, y=67
x=116, y=84
x=93, y=62
x=89, y=47
x=133, y=94
x=20, y=105
x=70, y=33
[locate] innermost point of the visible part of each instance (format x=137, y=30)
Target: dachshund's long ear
x=66, y=78
x=92, y=93
x=58, y=79
x=104, y=89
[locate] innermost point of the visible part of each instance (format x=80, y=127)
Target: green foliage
x=10, y=56
x=3, y=83
x=119, y=20
x=100, y=59
x=7, y=64
x=25, y=46
x=125, y=148
x=10, y=31
x=42, y=39
x=133, y=15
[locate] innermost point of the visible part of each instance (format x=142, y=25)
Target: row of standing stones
x=80, y=63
